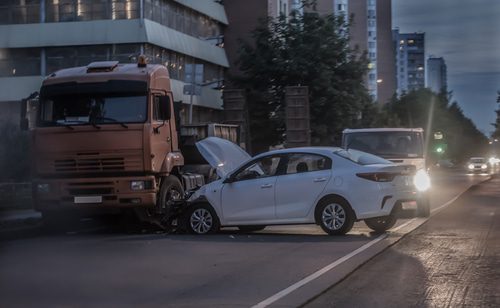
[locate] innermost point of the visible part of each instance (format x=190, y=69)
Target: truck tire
x=381, y=224
x=171, y=189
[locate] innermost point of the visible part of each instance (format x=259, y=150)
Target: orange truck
x=106, y=140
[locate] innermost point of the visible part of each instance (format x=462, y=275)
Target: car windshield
x=393, y=144
x=477, y=160
x=361, y=158
x=92, y=109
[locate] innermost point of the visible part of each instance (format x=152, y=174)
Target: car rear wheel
x=251, y=228
x=201, y=219
x=381, y=224
x=335, y=216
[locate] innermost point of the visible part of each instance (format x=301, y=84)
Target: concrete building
x=436, y=74
x=410, y=60
x=38, y=37
x=371, y=32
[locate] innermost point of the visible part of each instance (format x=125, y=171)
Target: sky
x=466, y=33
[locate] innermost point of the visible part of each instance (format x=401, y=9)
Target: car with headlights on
x=477, y=165
x=328, y=186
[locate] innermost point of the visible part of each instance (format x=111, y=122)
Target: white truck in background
x=398, y=145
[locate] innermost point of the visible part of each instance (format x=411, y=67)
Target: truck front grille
x=89, y=165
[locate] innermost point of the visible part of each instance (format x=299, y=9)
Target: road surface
x=451, y=261
x=90, y=266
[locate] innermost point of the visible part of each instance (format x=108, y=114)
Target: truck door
x=161, y=134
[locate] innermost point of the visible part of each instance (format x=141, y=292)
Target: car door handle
x=266, y=186
x=319, y=180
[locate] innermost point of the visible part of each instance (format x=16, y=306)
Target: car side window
x=303, y=162
x=264, y=167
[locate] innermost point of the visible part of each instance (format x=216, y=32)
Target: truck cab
x=106, y=139
x=398, y=145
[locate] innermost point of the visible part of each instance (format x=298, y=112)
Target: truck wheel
x=251, y=228
x=170, y=191
x=381, y=224
x=201, y=219
x=335, y=216
x=423, y=207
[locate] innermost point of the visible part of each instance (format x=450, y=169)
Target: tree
x=435, y=113
x=308, y=50
x=496, y=133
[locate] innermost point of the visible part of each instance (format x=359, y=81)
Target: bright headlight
x=471, y=166
x=484, y=166
x=43, y=188
x=492, y=160
x=137, y=185
x=422, y=180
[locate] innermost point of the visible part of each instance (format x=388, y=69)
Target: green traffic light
x=440, y=150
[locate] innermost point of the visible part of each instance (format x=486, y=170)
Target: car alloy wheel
x=201, y=221
x=333, y=216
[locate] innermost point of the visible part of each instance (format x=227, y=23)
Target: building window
x=20, y=62
x=84, y=10
x=19, y=11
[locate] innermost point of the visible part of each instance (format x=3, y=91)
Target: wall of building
x=242, y=23
x=386, y=61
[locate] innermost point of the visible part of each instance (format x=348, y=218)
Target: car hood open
x=223, y=155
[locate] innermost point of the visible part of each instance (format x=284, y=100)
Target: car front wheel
x=381, y=224
x=335, y=216
x=201, y=219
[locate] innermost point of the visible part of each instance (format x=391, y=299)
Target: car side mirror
x=228, y=180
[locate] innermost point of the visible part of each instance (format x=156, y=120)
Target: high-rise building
x=436, y=74
x=410, y=60
x=38, y=37
x=370, y=31
x=244, y=16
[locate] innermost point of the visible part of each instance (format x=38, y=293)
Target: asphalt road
x=451, y=261
x=89, y=266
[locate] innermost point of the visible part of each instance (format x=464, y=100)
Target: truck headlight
x=137, y=185
x=471, y=166
x=43, y=188
x=484, y=166
x=422, y=180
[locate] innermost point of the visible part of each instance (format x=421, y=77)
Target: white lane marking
x=268, y=301
x=318, y=273
x=433, y=211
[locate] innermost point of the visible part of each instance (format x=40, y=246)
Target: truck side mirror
x=165, y=107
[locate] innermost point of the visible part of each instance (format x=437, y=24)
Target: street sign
x=188, y=90
x=193, y=79
x=194, y=74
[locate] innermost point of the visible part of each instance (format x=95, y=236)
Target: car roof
x=311, y=150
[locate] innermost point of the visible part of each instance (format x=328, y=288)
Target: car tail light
x=378, y=176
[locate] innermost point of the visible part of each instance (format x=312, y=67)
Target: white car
x=328, y=186
x=477, y=164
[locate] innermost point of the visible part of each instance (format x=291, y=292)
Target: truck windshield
x=388, y=144
x=92, y=109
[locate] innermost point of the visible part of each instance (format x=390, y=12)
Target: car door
x=250, y=195
x=298, y=189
